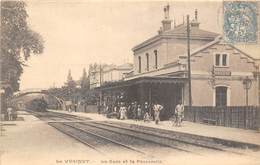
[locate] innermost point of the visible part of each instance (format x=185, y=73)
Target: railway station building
x=221, y=73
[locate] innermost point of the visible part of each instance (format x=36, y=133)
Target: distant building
x=108, y=73
x=112, y=73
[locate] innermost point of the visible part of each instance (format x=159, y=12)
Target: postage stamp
x=240, y=21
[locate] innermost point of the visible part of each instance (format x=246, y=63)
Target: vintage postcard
x=120, y=82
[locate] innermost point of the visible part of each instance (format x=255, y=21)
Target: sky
x=77, y=33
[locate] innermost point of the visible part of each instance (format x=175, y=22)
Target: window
x=217, y=62
x=139, y=64
x=224, y=59
x=221, y=59
x=147, y=61
x=155, y=59
x=221, y=96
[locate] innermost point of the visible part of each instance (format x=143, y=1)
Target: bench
x=209, y=121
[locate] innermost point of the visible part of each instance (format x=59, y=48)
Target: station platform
x=30, y=141
x=211, y=131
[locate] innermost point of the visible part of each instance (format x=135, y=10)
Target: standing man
x=135, y=111
x=139, y=112
x=157, y=108
x=146, y=112
x=10, y=113
x=69, y=108
x=129, y=111
x=151, y=111
x=179, y=111
x=99, y=107
x=146, y=107
x=122, y=111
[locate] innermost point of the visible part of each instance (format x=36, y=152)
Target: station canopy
x=143, y=80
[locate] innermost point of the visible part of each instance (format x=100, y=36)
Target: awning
x=143, y=80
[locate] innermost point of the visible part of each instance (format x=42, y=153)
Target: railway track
x=133, y=140
x=174, y=144
x=75, y=128
x=179, y=142
x=102, y=144
x=106, y=136
x=55, y=116
x=203, y=141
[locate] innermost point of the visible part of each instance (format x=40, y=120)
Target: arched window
x=221, y=96
x=147, y=61
x=139, y=64
x=155, y=59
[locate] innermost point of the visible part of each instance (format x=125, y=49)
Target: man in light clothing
x=179, y=112
x=10, y=113
x=157, y=108
x=122, y=111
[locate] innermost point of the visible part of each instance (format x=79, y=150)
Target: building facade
x=218, y=70
x=108, y=73
x=222, y=74
x=113, y=73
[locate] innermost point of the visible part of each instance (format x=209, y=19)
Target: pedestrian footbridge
x=22, y=96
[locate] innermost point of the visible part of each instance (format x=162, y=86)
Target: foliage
x=70, y=91
x=84, y=82
x=59, y=92
x=18, y=41
x=70, y=82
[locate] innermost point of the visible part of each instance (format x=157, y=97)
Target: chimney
x=167, y=21
x=160, y=30
x=195, y=23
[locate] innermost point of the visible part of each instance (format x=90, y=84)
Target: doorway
x=221, y=96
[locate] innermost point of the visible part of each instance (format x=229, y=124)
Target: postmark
x=240, y=21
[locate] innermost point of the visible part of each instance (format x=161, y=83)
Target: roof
x=252, y=49
x=140, y=80
x=125, y=66
x=219, y=40
x=180, y=32
x=195, y=32
x=194, y=51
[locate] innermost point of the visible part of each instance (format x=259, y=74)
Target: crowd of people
x=146, y=112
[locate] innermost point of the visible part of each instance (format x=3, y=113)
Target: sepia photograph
x=130, y=82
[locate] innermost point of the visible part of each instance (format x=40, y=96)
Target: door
x=221, y=96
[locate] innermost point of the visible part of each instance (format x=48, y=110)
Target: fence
x=246, y=117
x=87, y=108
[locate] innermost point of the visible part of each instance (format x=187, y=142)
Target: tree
x=18, y=42
x=69, y=88
x=70, y=82
x=84, y=82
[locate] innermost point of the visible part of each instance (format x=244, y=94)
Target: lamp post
x=189, y=66
x=247, y=83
